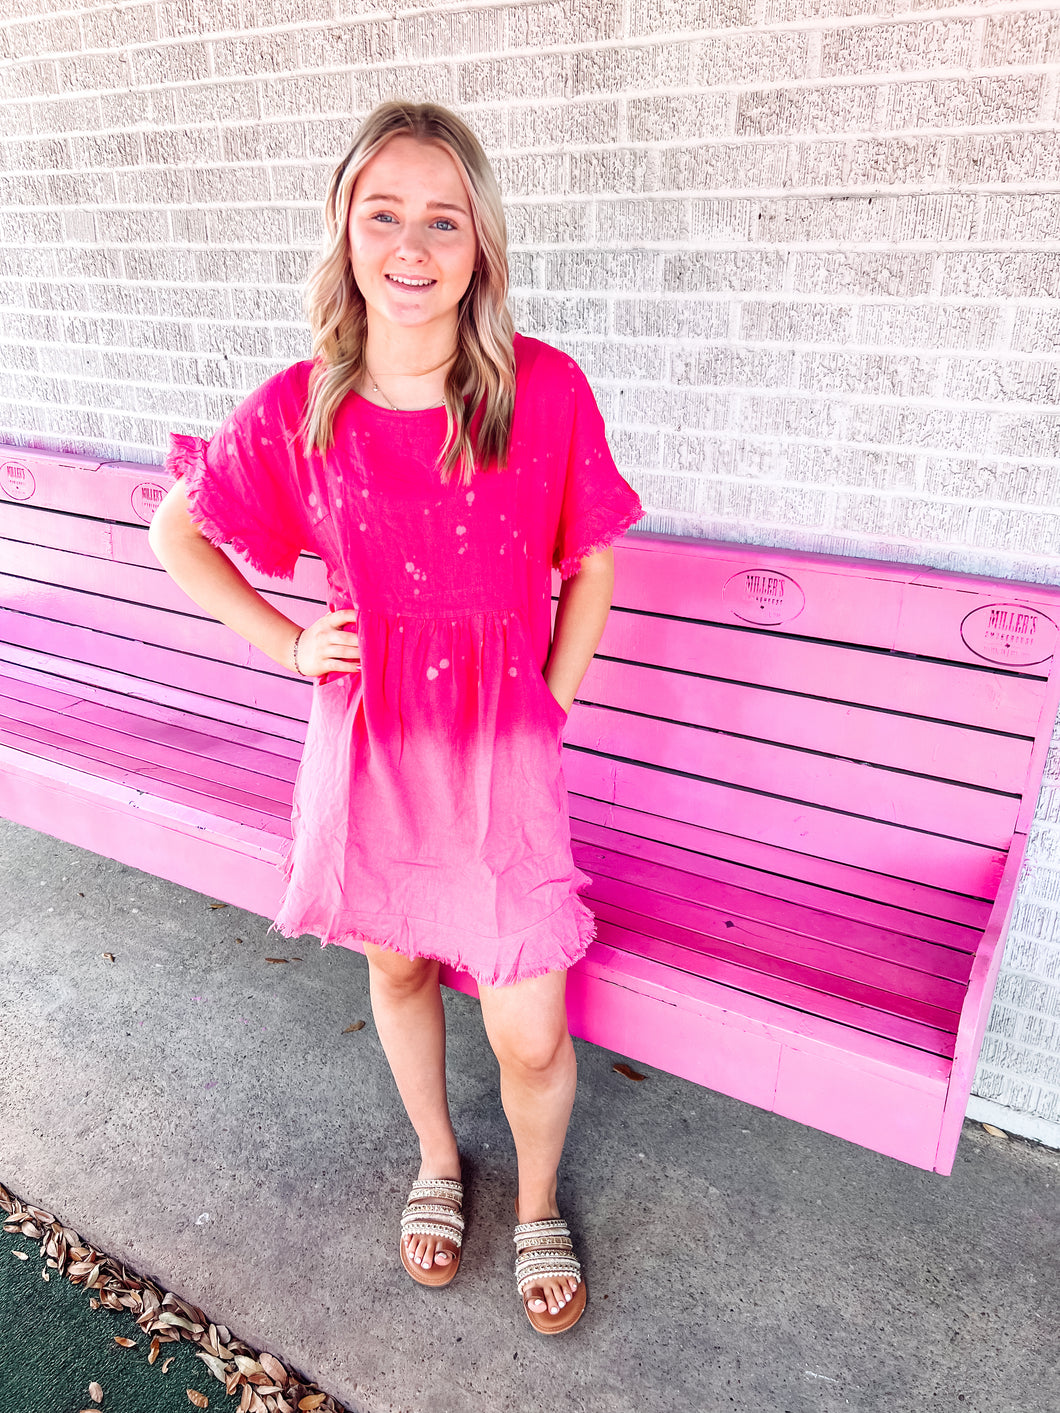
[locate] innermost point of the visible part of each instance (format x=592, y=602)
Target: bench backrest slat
x=997, y=761
x=612, y=852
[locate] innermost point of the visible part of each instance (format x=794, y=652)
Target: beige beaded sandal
x=544, y=1251
x=433, y=1209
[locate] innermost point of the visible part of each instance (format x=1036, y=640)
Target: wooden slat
x=239, y=788
x=766, y=947
x=977, y=816
x=937, y=691
x=96, y=683
x=155, y=667
x=864, y=1011
x=34, y=568
x=127, y=544
x=611, y=851
x=897, y=608
x=993, y=761
x=149, y=781
x=646, y=834
x=902, y=853
x=220, y=765
x=727, y=907
x=94, y=703
x=211, y=648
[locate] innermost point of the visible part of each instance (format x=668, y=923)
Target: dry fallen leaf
x=357, y=1025
x=995, y=1132
x=311, y=1401
x=199, y=1399
x=108, y=956
x=45, y=1276
x=125, y=1343
x=155, y=1347
x=276, y=959
x=218, y=905
x=95, y=1392
x=215, y=1366
x=21, y=1255
x=166, y=1363
x=629, y=1073
x=275, y=1370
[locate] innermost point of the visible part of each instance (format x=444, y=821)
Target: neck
x=410, y=353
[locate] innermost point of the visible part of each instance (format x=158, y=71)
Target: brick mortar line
x=678, y=344
x=1001, y=9
x=992, y=458
x=853, y=401
x=818, y=83
x=799, y=135
x=544, y=199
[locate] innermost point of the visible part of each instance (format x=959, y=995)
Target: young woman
x=440, y=466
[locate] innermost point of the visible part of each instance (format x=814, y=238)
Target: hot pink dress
x=430, y=810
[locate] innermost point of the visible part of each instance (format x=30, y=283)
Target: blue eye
x=382, y=216
x=444, y=221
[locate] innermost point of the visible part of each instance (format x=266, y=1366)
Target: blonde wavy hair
x=484, y=367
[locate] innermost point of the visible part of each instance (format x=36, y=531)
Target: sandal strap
x=544, y=1251
x=557, y=1269
x=531, y=1232
x=430, y=1229
x=433, y=1188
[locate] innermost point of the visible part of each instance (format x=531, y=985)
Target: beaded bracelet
x=294, y=653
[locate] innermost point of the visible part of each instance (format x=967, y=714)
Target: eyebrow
x=397, y=201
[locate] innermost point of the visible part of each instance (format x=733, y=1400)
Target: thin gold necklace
x=377, y=389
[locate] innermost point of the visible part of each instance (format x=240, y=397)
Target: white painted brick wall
x=807, y=250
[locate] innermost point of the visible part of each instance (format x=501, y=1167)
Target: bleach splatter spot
x=362, y=526
x=365, y=491
x=443, y=662
x=513, y=672
x=432, y=673
x=470, y=497
x=504, y=517
x=409, y=565
x=461, y=529
x=312, y=498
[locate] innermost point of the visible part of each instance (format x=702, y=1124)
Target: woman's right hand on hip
x=326, y=646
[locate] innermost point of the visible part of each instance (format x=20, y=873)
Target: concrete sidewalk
x=199, y=1113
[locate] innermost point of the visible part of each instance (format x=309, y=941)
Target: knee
x=399, y=976
x=534, y=1055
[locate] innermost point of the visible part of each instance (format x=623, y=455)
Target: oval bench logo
x=1011, y=634
x=146, y=498
x=17, y=480
x=763, y=596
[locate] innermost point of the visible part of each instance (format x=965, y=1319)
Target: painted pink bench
x=801, y=786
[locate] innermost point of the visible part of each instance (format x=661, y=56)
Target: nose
x=413, y=244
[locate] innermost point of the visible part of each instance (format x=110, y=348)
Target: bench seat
x=801, y=788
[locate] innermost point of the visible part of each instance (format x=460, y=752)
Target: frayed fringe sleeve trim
x=600, y=531
x=216, y=512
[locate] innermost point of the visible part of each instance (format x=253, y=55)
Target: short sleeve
x=242, y=485
x=598, y=503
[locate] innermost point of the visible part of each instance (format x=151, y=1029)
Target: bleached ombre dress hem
x=553, y=943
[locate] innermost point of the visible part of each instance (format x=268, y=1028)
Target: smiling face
x=412, y=239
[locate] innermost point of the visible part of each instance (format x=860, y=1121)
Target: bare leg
x=527, y=1027
x=410, y=1021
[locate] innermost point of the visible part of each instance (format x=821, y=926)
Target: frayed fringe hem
x=566, y=956
x=571, y=565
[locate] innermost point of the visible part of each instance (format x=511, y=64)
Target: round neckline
x=397, y=411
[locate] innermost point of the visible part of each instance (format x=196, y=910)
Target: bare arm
x=584, y=603
x=210, y=578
